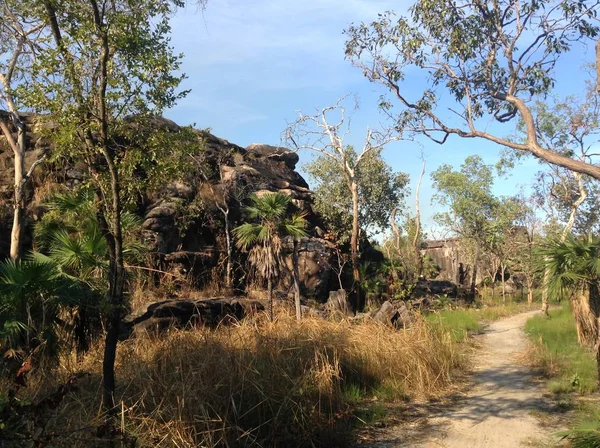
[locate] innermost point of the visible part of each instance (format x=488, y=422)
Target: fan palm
x=71, y=236
x=574, y=271
x=33, y=296
x=263, y=238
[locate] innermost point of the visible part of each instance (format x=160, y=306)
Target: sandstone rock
x=183, y=230
x=436, y=288
x=394, y=314
x=338, y=303
x=290, y=158
x=188, y=313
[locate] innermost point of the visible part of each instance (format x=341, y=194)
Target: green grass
x=459, y=323
x=462, y=322
x=570, y=366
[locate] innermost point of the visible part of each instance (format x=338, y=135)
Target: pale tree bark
x=320, y=134
x=496, y=75
x=416, y=248
x=598, y=66
x=566, y=230
x=354, y=238
x=22, y=38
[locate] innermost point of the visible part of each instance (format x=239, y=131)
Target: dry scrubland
x=256, y=383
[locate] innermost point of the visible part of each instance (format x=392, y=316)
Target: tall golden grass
x=257, y=383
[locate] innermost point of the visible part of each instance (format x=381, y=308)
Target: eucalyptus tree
x=21, y=32
x=471, y=205
x=572, y=126
x=263, y=239
x=380, y=191
x=107, y=60
x=324, y=134
x=480, y=61
x=505, y=235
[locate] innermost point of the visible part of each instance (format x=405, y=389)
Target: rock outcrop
x=185, y=224
x=180, y=313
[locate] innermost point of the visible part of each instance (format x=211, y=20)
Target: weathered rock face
x=184, y=224
x=161, y=316
x=453, y=264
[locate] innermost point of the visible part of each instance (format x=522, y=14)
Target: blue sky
x=253, y=64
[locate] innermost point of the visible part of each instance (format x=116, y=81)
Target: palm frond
x=295, y=226
x=569, y=264
x=247, y=234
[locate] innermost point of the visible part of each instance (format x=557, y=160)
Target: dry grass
x=258, y=383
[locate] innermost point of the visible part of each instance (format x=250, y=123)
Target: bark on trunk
x=598, y=66
x=585, y=321
x=474, y=275
x=545, y=304
x=594, y=304
x=502, y=273
x=296, y=281
x=270, y=297
x=20, y=179
x=229, y=268
x=354, y=244
x=417, y=250
x=529, y=295
x=114, y=238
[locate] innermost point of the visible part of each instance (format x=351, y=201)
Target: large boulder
x=395, y=314
x=315, y=258
x=178, y=313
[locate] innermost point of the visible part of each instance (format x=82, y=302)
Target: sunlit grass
x=556, y=350
x=304, y=383
x=460, y=323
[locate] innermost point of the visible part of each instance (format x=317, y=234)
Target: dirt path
x=498, y=409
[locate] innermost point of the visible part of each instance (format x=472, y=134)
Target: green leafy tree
x=324, y=134
x=572, y=127
x=20, y=33
x=263, y=239
x=505, y=236
x=380, y=191
x=105, y=61
x=471, y=205
x=527, y=242
x=488, y=60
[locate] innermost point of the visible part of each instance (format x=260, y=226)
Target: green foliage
x=571, y=126
x=468, y=195
x=380, y=190
x=263, y=237
x=34, y=297
x=585, y=434
x=480, y=54
x=559, y=353
x=69, y=235
x=572, y=263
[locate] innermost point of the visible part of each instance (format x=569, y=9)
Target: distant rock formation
x=452, y=263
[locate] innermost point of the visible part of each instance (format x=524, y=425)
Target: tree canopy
x=380, y=190
x=480, y=60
